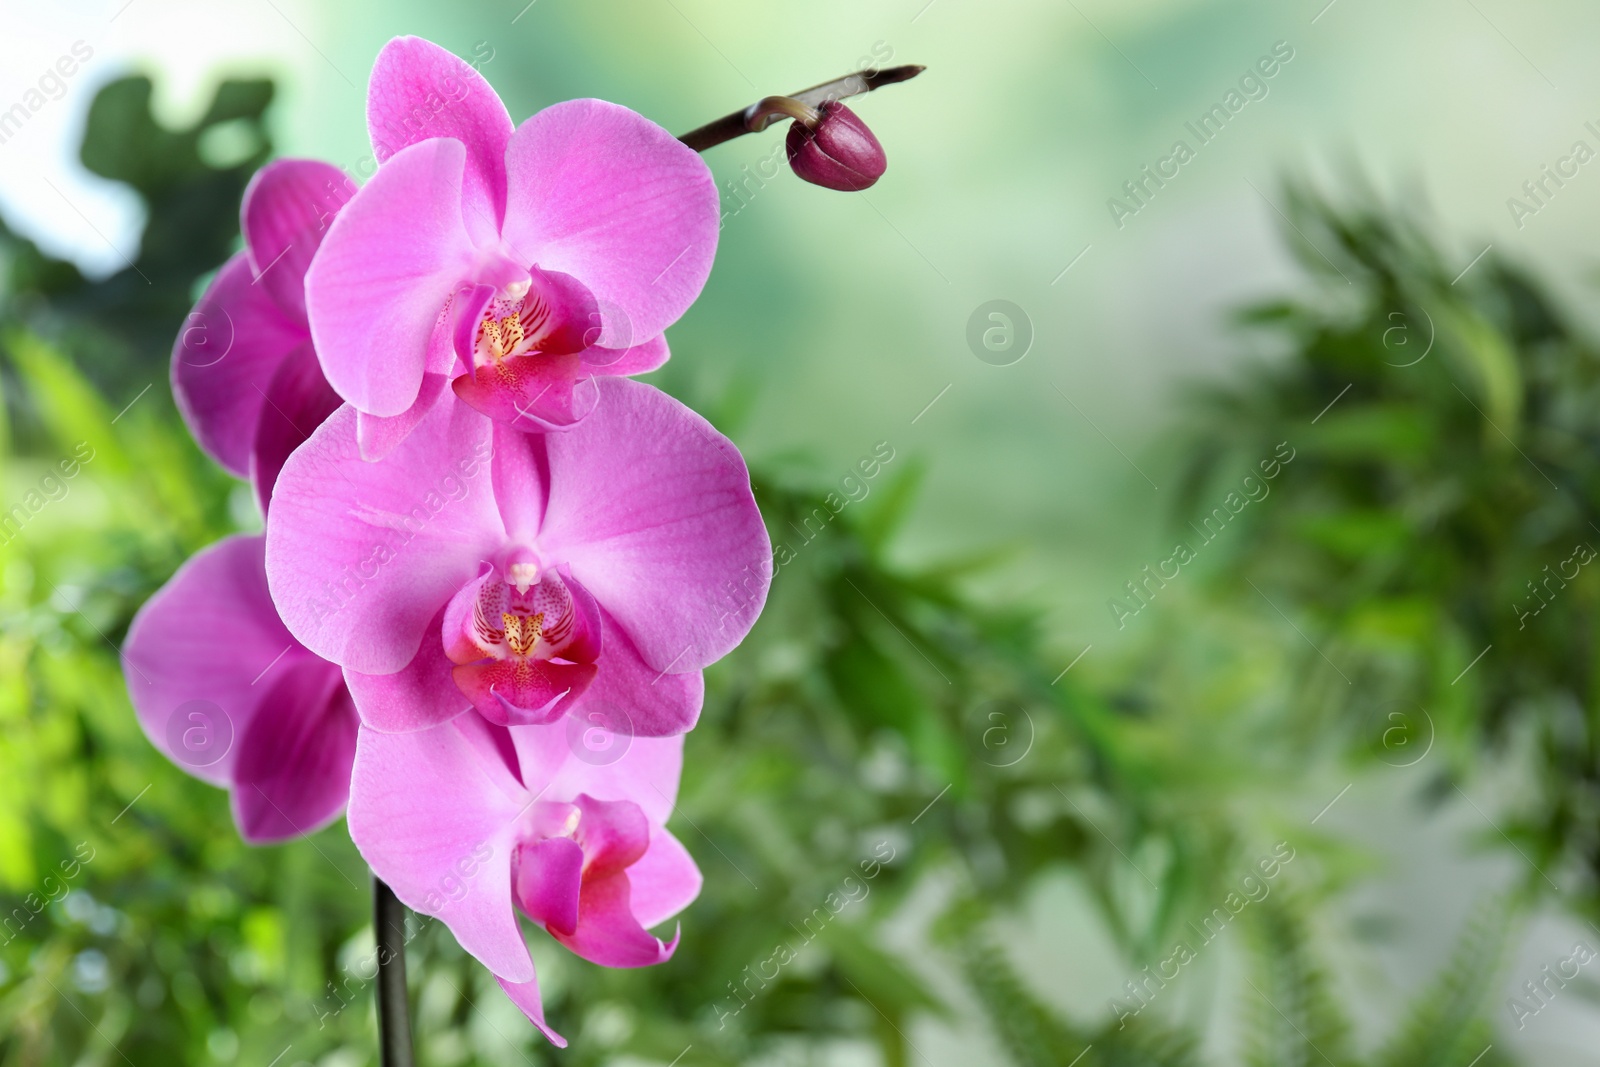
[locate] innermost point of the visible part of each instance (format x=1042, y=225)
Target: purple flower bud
x=838, y=153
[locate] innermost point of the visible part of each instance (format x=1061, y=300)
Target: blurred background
x=1204, y=676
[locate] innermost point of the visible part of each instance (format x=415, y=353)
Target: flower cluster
x=483, y=540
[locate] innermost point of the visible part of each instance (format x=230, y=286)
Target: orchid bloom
x=523, y=573
x=472, y=823
x=243, y=370
x=519, y=263
x=223, y=690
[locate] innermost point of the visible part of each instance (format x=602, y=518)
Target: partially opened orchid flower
x=473, y=823
x=243, y=370
x=225, y=692
x=519, y=263
x=522, y=574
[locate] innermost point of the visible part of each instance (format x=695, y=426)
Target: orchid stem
x=761, y=114
x=394, y=1011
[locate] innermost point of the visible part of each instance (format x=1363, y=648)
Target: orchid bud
x=837, y=151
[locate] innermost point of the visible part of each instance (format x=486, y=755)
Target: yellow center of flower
x=522, y=631
x=502, y=336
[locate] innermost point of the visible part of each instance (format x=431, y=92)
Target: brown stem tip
x=808, y=102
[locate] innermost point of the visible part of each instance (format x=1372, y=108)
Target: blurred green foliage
x=1436, y=532
x=881, y=738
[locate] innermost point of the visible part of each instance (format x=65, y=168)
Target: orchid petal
x=433, y=814
x=287, y=208
x=646, y=772
x=205, y=637
x=292, y=776
x=548, y=879
x=419, y=696
x=533, y=393
x=654, y=703
x=622, y=362
x=418, y=91
x=361, y=556
x=224, y=360
x=608, y=933
x=664, y=881
x=523, y=693
x=614, y=834
x=387, y=267
x=378, y=435
x=652, y=510
x=525, y=995
x=296, y=402
x=521, y=473
x=602, y=193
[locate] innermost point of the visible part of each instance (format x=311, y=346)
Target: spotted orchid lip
x=523, y=640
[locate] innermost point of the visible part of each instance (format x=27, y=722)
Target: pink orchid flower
x=243, y=370
x=224, y=691
x=523, y=573
x=472, y=823
x=519, y=263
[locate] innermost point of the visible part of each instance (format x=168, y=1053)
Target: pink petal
x=613, y=833
x=664, y=881
x=646, y=772
x=418, y=697
x=224, y=360
x=521, y=473
x=655, y=704
x=206, y=636
x=652, y=510
x=287, y=208
x=608, y=933
x=361, y=556
x=547, y=877
x=292, y=776
x=379, y=435
x=642, y=357
x=434, y=817
x=587, y=641
x=296, y=402
x=388, y=265
x=417, y=91
x=525, y=693
x=525, y=995
x=603, y=194
x=562, y=313
x=532, y=393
